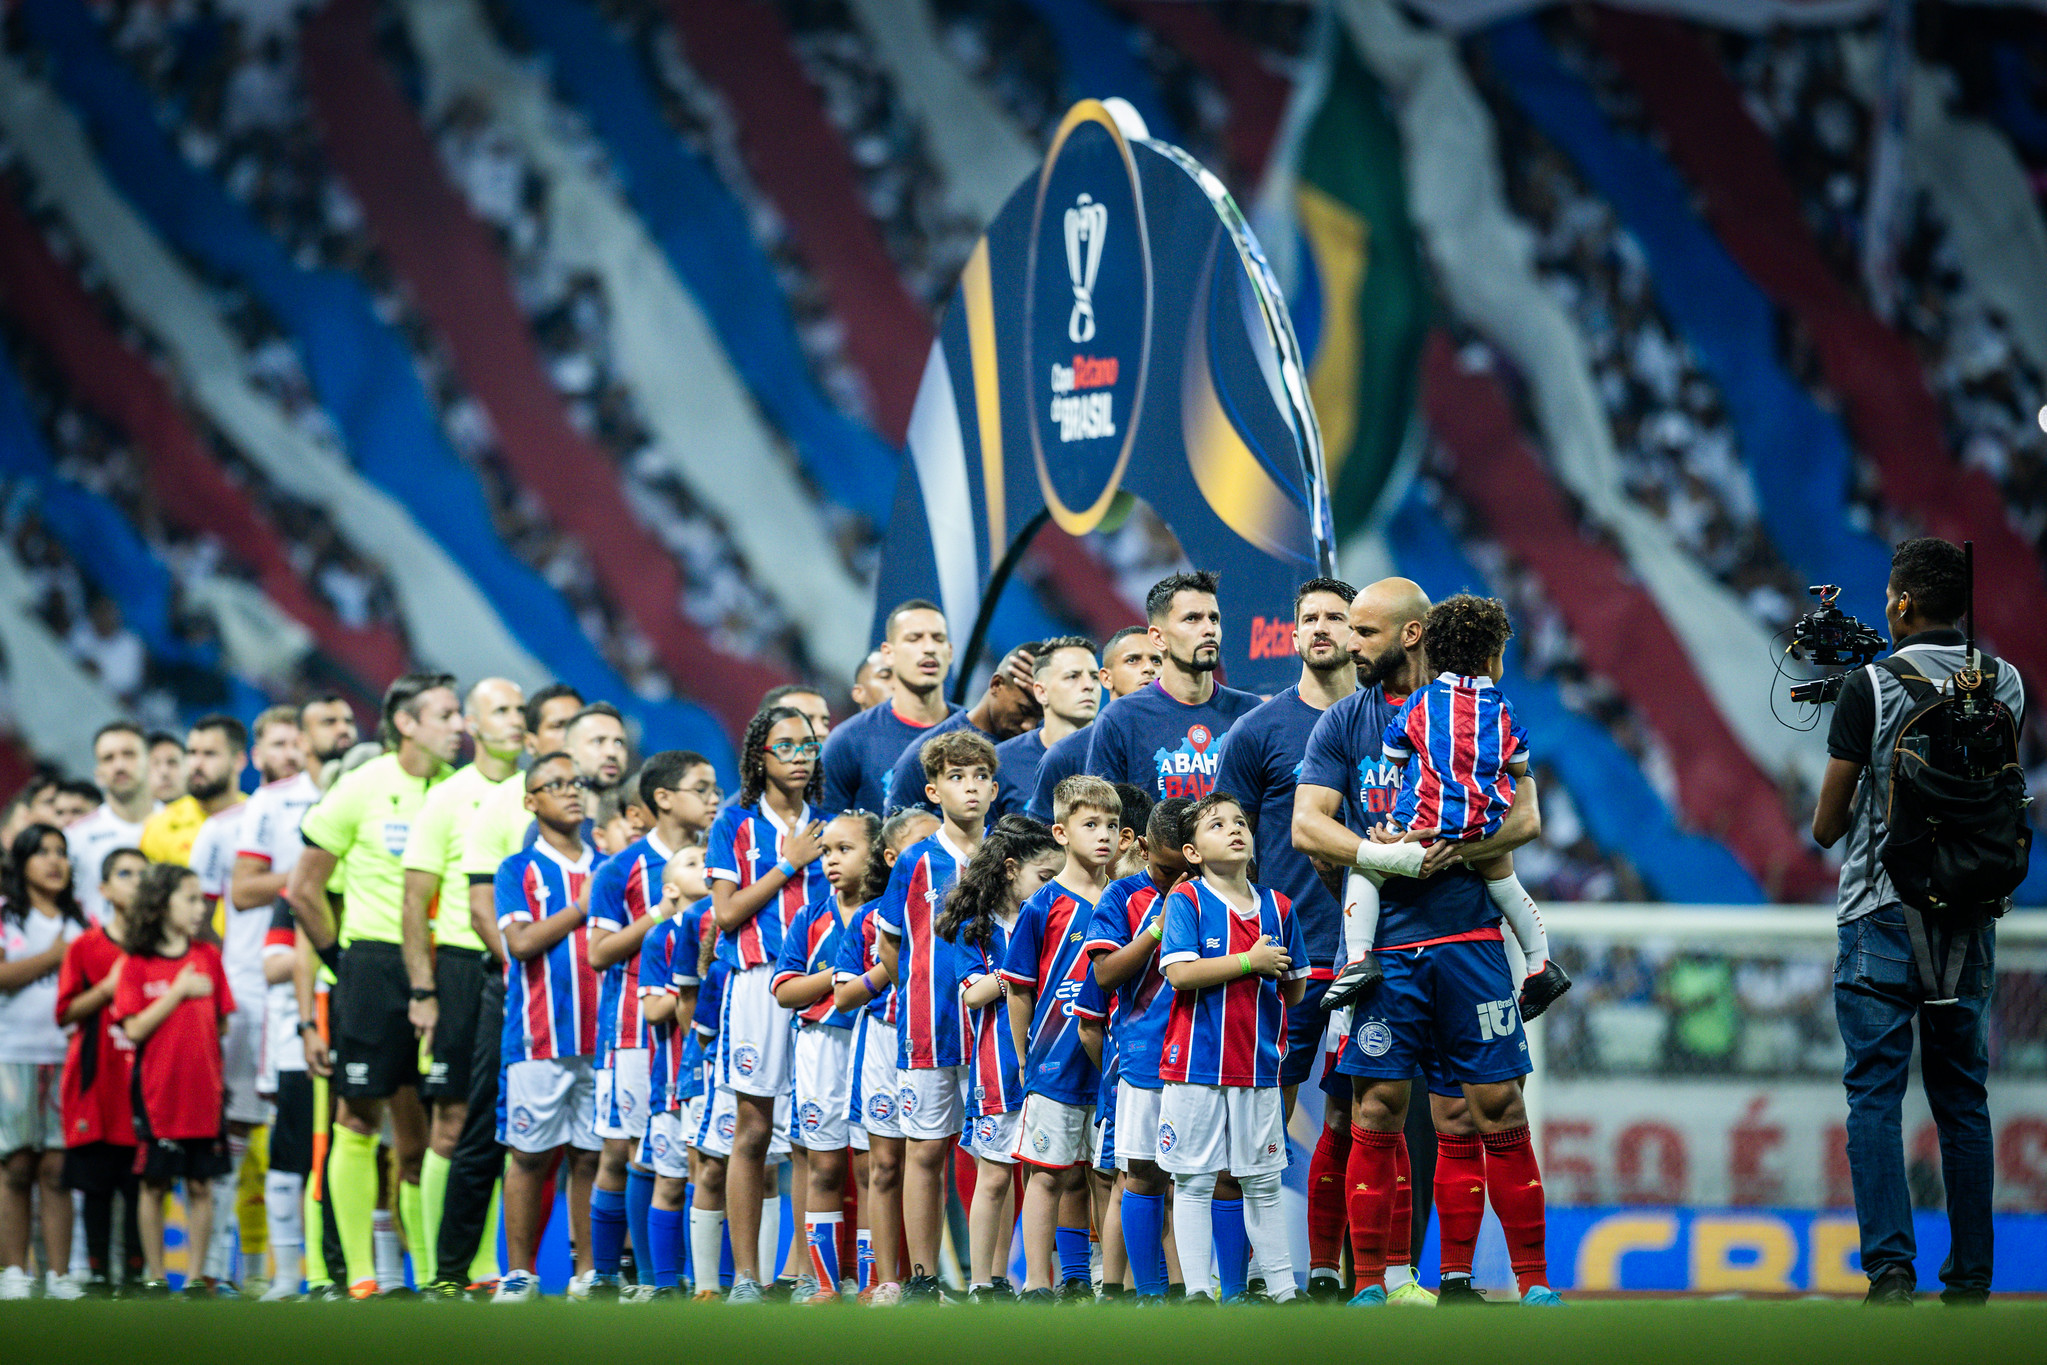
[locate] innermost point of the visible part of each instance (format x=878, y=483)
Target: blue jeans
x=1877, y=991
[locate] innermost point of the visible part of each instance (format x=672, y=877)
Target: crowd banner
x=1116, y=334
x=452, y=625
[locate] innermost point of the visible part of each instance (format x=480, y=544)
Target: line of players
x=673, y=1019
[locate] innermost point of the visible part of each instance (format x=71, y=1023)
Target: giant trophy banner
x=1116, y=334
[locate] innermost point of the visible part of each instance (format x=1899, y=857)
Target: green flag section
x=1361, y=278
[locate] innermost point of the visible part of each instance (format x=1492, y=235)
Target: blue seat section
x=1098, y=59
x=359, y=367
x=1797, y=454
x=107, y=549
x=702, y=229
x=1620, y=809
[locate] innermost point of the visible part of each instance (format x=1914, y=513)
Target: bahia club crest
x=1116, y=334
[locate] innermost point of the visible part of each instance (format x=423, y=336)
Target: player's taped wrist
x=1402, y=859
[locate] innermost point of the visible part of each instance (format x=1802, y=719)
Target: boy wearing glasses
x=680, y=788
x=550, y=1022
x=764, y=868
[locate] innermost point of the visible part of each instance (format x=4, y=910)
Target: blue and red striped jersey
x=927, y=978
x=550, y=1000
x=624, y=888
x=656, y=964
x=811, y=945
x=744, y=845
x=1095, y=1003
x=994, y=1072
x=860, y=953
x=1455, y=738
x=1235, y=1033
x=1045, y=956
x=1142, y=1003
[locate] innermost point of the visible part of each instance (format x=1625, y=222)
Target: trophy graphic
x=1086, y=224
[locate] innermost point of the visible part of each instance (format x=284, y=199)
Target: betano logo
x=1273, y=638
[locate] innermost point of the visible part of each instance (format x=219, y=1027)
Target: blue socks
x=1074, y=1248
x=639, y=1202
x=689, y=1201
x=607, y=1229
x=1232, y=1247
x=1144, y=1234
x=665, y=1243
x=725, y=1267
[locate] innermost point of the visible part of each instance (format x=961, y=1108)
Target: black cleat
x=1541, y=990
x=1001, y=1285
x=1459, y=1292
x=1892, y=1289
x=922, y=1288
x=1077, y=1290
x=1356, y=983
x=1325, y=1289
x=1038, y=1296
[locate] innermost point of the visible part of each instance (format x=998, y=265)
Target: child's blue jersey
x=1128, y=908
x=1234, y=1033
x=1456, y=740
x=860, y=953
x=656, y=972
x=811, y=945
x=994, y=1072
x=1045, y=956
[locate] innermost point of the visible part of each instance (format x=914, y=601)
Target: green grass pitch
x=1665, y=1332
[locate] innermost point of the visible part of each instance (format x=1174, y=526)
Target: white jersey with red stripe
x=744, y=845
x=271, y=817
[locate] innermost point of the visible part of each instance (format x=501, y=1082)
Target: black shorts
x=99, y=1167
x=458, y=985
x=163, y=1160
x=376, y=1049
x=291, y=1132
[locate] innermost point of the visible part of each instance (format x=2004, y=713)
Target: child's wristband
x=1156, y=930
x=867, y=980
x=1244, y=961
x=786, y=868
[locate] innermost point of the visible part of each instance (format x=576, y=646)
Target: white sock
x=1360, y=915
x=81, y=1264
x=1194, y=1230
x=1523, y=918
x=771, y=1237
x=1398, y=1277
x=1265, y=1227
x=220, y=1246
x=390, y=1253
x=706, y=1244
x=284, y=1200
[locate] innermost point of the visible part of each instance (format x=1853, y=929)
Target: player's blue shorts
x=1305, y=1025
x=1105, y=1125
x=1452, y=1000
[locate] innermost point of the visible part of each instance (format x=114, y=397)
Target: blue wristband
x=786, y=868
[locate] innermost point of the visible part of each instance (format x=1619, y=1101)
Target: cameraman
x=1877, y=984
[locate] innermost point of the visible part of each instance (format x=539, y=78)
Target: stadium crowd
x=385, y=1003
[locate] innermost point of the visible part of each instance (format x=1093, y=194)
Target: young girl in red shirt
x=173, y=1000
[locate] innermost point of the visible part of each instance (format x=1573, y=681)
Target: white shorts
x=721, y=1121
x=823, y=1067
x=550, y=1104
x=931, y=1104
x=241, y=1062
x=856, y=1137
x=1206, y=1129
x=622, y=1094
x=663, y=1147
x=1055, y=1134
x=691, y=1116
x=753, y=1036
x=873, y=1103
x=1137, y=1124
x=993, y=1137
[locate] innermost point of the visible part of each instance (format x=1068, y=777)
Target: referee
x=359, y=829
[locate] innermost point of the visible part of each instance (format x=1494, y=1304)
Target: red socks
x=1460, y=1197
x=1400, y=1236
x=1515, y=1186
x=1369, y=1178
x=1326, y=1197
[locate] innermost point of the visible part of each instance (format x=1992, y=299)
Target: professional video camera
x=1828, y=637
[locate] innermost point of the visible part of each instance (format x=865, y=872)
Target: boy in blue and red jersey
x=668, y=991
x=1124, y=949
x=959, y=771
x=680, y=789
x=1234, y=956
x=764, y=855
x=1046, y=970
x=546, y=1080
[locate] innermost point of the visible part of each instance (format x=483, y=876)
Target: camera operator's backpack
x=1957, y=839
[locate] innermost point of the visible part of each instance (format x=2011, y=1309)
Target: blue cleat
x=1542, y=1296
x=1371, y=1296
